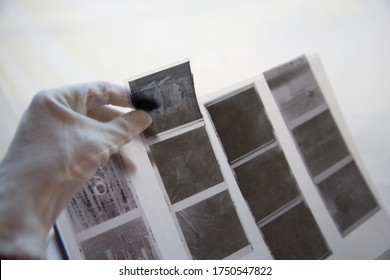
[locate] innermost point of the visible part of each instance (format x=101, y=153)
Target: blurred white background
x=46, y=43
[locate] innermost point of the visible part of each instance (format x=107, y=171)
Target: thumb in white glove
x=58, y=147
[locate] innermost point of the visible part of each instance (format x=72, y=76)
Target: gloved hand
x=58, y=147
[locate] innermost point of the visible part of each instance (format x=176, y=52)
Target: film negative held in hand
x=264, y=169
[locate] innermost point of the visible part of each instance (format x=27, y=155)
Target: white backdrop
x=46, y=43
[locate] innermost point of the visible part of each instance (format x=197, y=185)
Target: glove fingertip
x=137, y=120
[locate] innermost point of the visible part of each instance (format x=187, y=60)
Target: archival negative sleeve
x=186, y=166
x=173, y=91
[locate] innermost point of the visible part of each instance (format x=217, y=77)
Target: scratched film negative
x=129, y=241
x=173, y=90
x=321, y=144
x=347, y=196
x=288, y=234
x=187, y=164
x=316, y=138
x=107, y=195
x=235, y=119
x=266, y=182
x=211, y=228
x=263, y=174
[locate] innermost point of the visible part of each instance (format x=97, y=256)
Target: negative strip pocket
x=186, y=164
x=211, y=228
x=241, y=123
x=295, y=235
x=266, y=182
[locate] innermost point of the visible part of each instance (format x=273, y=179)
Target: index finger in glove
x=84, y=97
x=103, y=93
x=125, y=127
x=104, y=113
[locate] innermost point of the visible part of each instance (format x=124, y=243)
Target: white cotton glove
x=56, y=149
